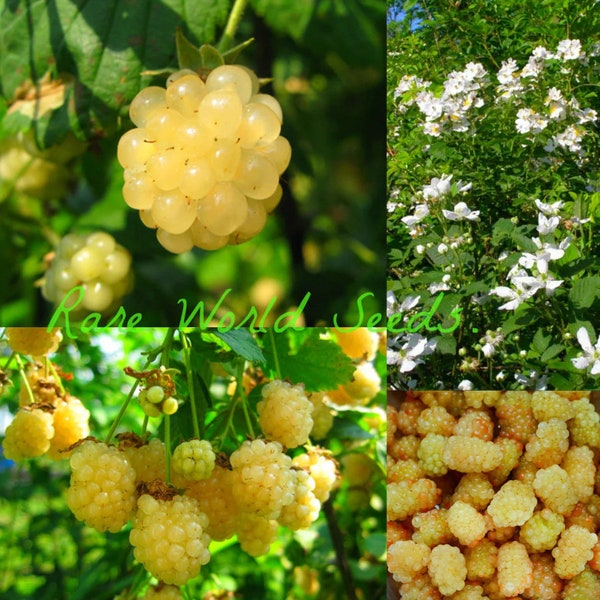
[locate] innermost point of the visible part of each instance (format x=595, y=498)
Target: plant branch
x=232, y=25
x=337, y=539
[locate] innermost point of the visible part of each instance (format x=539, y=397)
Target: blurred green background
x=46, y=554
x=327, y=62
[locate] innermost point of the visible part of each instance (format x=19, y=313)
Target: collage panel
x=158, y=156
x=493, y=293
x=493, y=494
x=189, y=464
x=493, y=186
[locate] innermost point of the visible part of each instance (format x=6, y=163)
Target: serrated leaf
x=242, y=343
x=104, y=46
x=585, y=291
x=317, y=363
x=540, y=342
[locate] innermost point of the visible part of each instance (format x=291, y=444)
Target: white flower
x=409, y=303
x=465, y=385
x=507, y=74
x=549, y=209
x=530, y=121
x=533, y=381
x=491, y=339
x=421, y=211
x=429, y=105
x=540, y=53
x=461, y=211
x=442, y=248
x=591, y=354
x=524, y=288
x=569, y=50
x=435, y=288
x=408, y=356
x=391, y=303
x=432, y=128
x=437, y=187
x=547, y=225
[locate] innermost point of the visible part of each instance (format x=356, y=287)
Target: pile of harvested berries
x=493, y=495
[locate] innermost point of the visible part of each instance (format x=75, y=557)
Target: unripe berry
x=194, y=460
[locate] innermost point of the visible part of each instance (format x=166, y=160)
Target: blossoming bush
x=494, y=190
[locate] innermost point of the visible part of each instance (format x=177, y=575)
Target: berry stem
x=275, y=356
x=165, y=358
x=190, y=381
x=49, y=366
x=232, y=24
x=168, y=447
x=239, y=388
x=122, y=411
x=145, y=425
x=10, y=359
x=24, y=377
x=337, y=539
x=163, y=349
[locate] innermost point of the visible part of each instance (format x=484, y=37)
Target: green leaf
x=104, y=46
x=242, y=343
x=585, y=291
x=285, y=16
x=540, y=342
x=320, y=364
x=552, y=351
x=347, y=429
x=375, y=544
x=446, y=344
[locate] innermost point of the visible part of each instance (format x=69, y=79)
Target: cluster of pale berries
x=42, y=174
x=362, y=346
x=249, y=494
x=155, y=402
x=203, y=164
x=96, y=263
x=49, y=420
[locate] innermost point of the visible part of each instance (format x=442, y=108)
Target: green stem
x=275, y=357
x=9, y=360
x=164, y=349
x=337, y=539
x=145, y=425
x=240, y=390
x=232, y=24
x=190, y=382
x=168, y=446
x=165, y=358
x=50, y=366
x=24, y=378
x=122, y=411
